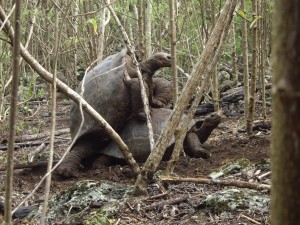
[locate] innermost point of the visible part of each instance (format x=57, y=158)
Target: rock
x=232, y=168
x=70, y=204
x=233, y=199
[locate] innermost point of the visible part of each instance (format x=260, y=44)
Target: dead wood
x=231, y=96
x=235, y=183
x=250, y=219
x=167, y=202
x=204, y=109
x=262, y=125
x=157, y=196
x=36, y=151
x=32, y=137
x=29, y=165
x=28, y=144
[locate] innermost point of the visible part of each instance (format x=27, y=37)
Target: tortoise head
x=155, y=62
x=204, y=128
x=163, y=59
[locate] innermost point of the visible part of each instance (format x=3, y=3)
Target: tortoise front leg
x=193, y=146
x=204, y=129
x=137, y=105
x=70, y=165
x=162, y=92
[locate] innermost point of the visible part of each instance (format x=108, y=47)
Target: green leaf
x=241, y=12
x=256, y=18
x=95, y=26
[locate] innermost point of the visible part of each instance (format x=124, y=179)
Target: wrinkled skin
x=162, y=92
x=106, y=90
x=159, y=90
x=135, y=135
x=162, y=95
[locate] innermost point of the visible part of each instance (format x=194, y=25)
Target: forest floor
x=229, y=144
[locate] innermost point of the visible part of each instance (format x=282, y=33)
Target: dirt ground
x=229, y=143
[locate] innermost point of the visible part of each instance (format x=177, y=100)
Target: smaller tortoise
x=135, y=135
x=159, y=90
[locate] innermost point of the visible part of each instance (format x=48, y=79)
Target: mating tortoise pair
x=112, y=88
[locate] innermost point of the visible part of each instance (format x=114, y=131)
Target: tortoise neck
x=150, y=66
x=204, y=132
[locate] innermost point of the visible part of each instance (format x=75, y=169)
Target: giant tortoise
x=106, y=89
x=135, y=135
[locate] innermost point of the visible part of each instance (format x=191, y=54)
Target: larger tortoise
x=108, y=89
x=135, y=135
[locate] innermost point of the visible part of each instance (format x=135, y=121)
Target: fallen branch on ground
x=240, y=184
x=29, y=165
x=166, y=202
x=251, y=220
x=32, y=137
x=28, y=144
x=36, y=151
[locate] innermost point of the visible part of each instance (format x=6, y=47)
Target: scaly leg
x=193, y=146
x=70, y=165
x=162, y=92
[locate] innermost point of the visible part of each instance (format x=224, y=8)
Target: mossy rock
x=234, y=199
x=232, y=168
x=72, y=202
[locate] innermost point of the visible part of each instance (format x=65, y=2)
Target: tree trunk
x=214, y=71
x=251, y=110
x=173, y=50
x=148, y=19
x=104, y=20
x=58, y=31
x=285, y=137
x=190, y=87
x=181, y=134
x=13, y=115
x=141, y=35
x=235, y=75
x=245, y=63
x=263, y=56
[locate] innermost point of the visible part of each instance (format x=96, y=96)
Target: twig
x=118, y=221
x=157, y=196
x=35, y=152
x=28, y=144
x=36, y=136
x=167, y=202
x=264, y=175
x=251, y=220
x=240, y=184
x=29, y=165
x=129, y=206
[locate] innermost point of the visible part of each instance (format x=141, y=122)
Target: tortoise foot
x=157, y=103
x=102, y=160
x=202, y=154
x=67, y=171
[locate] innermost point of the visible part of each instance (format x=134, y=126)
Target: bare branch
x=235, y=183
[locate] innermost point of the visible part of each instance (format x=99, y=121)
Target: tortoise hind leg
x=193, y=147
x=70, y=165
